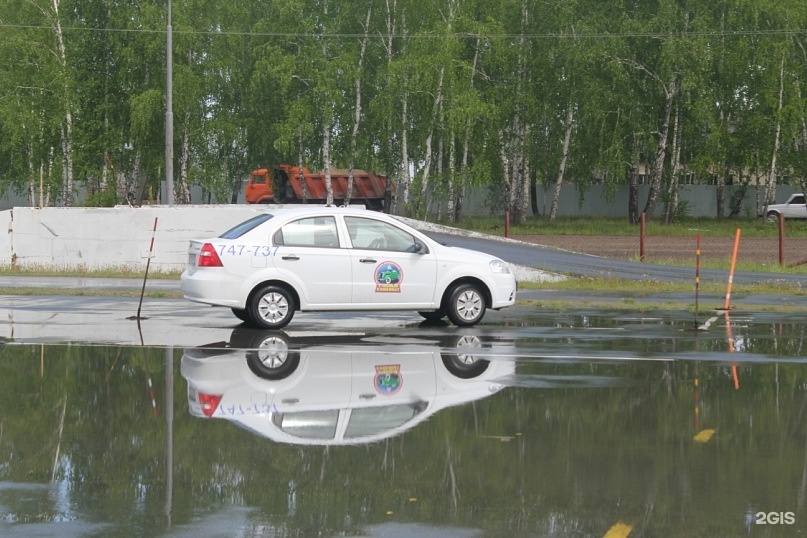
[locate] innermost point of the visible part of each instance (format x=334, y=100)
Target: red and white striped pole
x=731, y=271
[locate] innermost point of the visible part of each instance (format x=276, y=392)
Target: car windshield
x=239, y=230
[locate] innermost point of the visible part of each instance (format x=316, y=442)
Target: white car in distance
x=329, y=259
x=794, y=208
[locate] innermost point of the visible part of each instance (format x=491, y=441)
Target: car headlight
x=498, y=266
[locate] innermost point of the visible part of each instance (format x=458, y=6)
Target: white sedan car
x=329, y=258
x=297, y=392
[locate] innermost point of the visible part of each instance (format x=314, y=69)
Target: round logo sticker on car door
x=388, y=277
x=388, y=378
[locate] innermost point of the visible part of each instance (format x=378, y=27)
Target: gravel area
x=660, y=249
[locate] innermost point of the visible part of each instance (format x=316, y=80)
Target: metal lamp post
x=169, y=114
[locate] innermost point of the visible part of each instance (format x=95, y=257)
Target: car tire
x=772, y=216
x=463, y=364
x=271, y=307
x=242, y=314
x=466, y=305
x=435, y=315
x=271, y=359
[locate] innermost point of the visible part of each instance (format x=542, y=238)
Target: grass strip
x=88, y=292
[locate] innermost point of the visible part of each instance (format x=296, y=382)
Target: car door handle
x=367, y=260
x=292, y=257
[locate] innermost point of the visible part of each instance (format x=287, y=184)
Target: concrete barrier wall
x=5, y=236
x=110, y=238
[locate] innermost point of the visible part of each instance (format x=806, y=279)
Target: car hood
x=463, y=254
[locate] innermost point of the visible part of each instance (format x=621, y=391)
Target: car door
x=389, y=391
x=388, y=270
x=795, y=207
x=308, y=253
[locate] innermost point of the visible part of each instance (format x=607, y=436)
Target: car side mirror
x=421, y=248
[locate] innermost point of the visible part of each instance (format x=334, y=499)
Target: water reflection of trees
x=676, y=334
x=527, y=461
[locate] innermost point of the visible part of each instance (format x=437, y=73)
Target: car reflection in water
x=337, y=391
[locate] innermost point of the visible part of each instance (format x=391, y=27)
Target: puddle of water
x=574, y=424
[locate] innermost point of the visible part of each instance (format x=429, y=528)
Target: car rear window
x=244, y=227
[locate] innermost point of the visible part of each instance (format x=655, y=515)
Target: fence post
x=781, y=220
x=641, y=237
x=507, y=223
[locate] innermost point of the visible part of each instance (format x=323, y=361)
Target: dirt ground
x=660, y=249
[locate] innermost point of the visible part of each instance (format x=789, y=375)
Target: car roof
x=323, y=210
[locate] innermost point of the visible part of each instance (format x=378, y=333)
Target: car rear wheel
x=466, y=305
x=271, y=307
x=241, y=313
x=271, y=358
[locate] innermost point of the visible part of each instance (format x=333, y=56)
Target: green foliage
x=105, y=198
x=256, y=84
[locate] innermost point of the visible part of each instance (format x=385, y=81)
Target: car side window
x=308, y=232
x=377, y=235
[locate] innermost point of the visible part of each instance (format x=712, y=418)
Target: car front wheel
x=271, y=307
x=433, y=315
x=466, y=305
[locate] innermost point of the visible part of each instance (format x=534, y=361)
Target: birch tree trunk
x=459, y=191
x=67, y=129
x=504, y=157
x=406, y=177
x=671, y=204
x=357, y=109
x=184, y=159
x=518, y=143
x=633, y=195
x=326, y=161
x=301, y=176
x=670, y=92
x=553, y=208
x=427, y=160
x=326, y=127
x=452, y=175
x=524, y=200
x=390, y=201
x=770, y=192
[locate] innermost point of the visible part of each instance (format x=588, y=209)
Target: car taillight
x=209, y=403
x=208, y=257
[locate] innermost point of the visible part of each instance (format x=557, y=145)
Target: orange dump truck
x=282, y=185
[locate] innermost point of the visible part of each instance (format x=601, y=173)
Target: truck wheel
x=772, y=216
x=466, y=305
x=271, y=307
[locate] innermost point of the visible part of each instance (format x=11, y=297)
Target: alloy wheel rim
x=468, y=341
x=273, y=307
x=273, y=352
x=469, y=305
